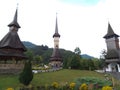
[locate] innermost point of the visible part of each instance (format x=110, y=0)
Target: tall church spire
x=56, y=34
x=14, y=22
x=56, y=59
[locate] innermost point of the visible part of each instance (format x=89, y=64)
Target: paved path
x=115, y=74
x=48, y=70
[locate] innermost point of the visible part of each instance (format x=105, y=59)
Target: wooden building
x=112, y=58
x=56, y=59
x=12, y=49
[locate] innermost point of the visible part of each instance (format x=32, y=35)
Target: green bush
x=97, y=82
x=26, y=76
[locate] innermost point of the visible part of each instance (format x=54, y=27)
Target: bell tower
x=112, y=40
x=112, y=58
x=56, y=59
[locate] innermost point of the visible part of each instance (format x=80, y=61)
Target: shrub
x=96, y=82
x=26, y=76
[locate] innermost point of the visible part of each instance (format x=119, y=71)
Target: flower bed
x=67, y=86
x=83, y=83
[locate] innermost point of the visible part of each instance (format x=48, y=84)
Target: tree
x=103, y=54
x=84, y=65
x=75, y=62
x=29, y=54
x=27, y=75
x=91, y=64
x=102, y=58
x=96, y=63
x=38, y=59
x=67, y=57
x=77, y=51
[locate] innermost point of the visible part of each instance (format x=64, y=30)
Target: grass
x=61, y=76
x=8, y=81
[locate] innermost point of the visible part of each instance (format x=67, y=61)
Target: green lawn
x=61, y=76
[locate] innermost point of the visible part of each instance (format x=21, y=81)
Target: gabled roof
x=56, y=34
x=110, y=32
x=14, y=22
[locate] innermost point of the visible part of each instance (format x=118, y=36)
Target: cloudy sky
x=81, y=23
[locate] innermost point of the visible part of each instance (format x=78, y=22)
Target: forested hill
x=41, y=48
x=29, y=44
x=46, y=52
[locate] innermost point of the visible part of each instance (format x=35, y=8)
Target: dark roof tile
x=56, y=56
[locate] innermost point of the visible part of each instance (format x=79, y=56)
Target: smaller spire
x=56, y=29
x=14, y=22
x=110, y=32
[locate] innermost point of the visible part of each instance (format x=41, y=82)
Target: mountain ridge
x=86, y=56
x=29, y=44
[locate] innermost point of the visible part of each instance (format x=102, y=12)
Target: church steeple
x=56, y=34
x=112, y=57
x=112, y=43
x=11, y=39
x=10, y=45
x=14, y=22
x=110, y=32
x=56, y=59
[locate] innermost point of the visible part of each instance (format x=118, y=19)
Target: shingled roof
x=11, y=45
x=112, y=54
x=56, y=56
x=12, y=40
x=110, y=32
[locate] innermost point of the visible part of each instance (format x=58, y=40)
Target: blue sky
x=81, y=2
x=80, y=23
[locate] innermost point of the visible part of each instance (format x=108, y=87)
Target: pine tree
x=26, y=75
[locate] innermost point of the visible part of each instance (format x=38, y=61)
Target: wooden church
x=112, y=58
x=12, y=49
x=56, y=59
